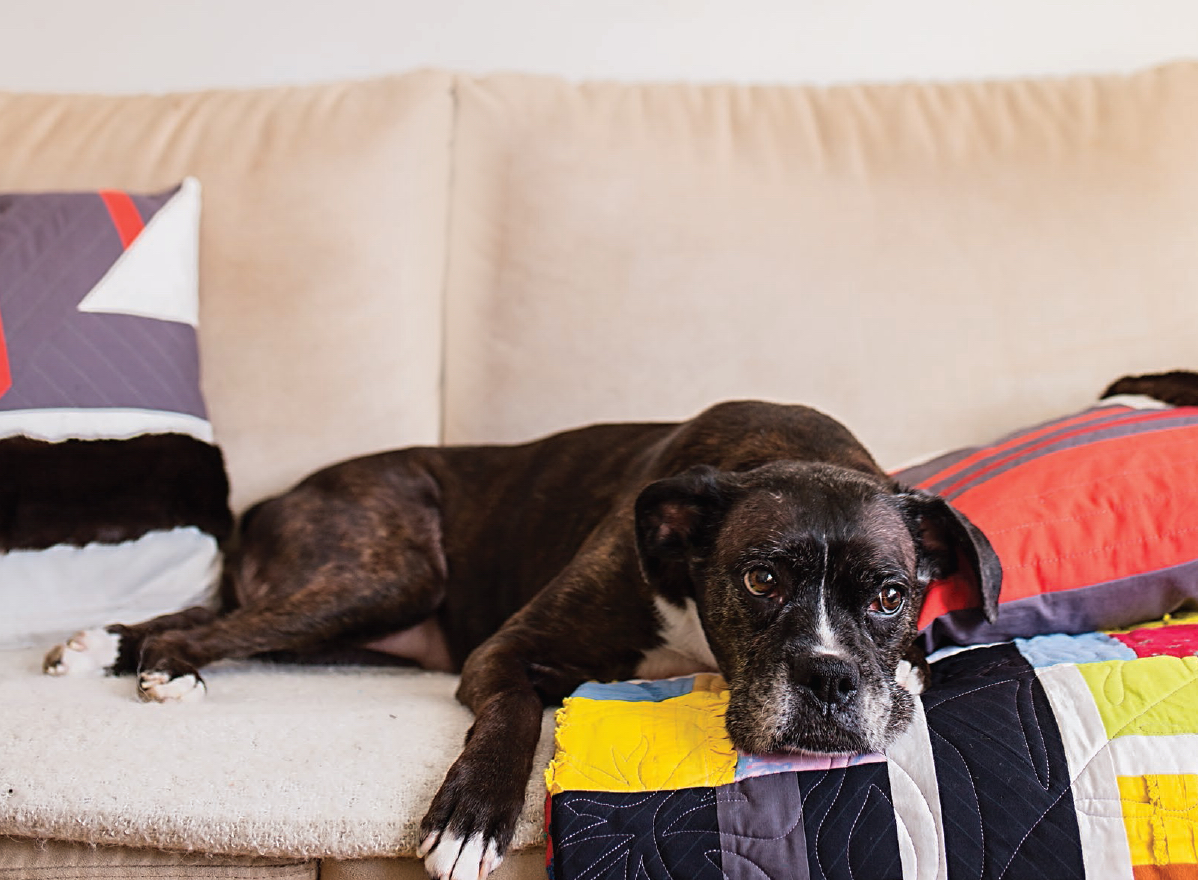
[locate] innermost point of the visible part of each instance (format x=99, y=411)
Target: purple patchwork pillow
x=113, y=495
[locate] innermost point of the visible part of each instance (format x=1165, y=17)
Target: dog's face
x=808, y=579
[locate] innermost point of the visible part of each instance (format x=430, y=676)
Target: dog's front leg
x=473, y=816
x=537, y=658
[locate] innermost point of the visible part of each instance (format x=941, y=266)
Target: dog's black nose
x=832, y=680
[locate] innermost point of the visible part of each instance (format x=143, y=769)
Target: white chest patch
x=685, y=649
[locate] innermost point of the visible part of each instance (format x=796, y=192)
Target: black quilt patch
x=1004, y=782
x=825, y=825
x=661, y=835
x=851, y=828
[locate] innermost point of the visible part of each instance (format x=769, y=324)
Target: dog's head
x=808, y=579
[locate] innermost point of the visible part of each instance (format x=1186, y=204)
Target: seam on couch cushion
x=31, y=859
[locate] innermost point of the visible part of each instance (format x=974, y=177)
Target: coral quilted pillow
x=113, y=496
x=1094, y=517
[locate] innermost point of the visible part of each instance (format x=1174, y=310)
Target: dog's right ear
x=946, y=537
x=676, y=519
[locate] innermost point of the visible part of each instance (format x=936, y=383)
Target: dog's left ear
x=946, y=537
x=675, y=519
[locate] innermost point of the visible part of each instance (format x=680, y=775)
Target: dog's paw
x=449, y=857
x=470, y=822
x=162, y=687
x=911, y=677
x=87, y=651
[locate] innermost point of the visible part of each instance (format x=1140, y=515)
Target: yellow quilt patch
x=1161, y=816
x=612, y=745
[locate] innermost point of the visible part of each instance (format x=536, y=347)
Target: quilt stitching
x=842, y=814
x=861, y=811
x=973, y=784
x=745, y=801
x=1031, y=828
x=823, y=819
x=1144, y=539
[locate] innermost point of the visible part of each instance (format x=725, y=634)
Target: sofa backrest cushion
x=322, y=250
x=932, y=263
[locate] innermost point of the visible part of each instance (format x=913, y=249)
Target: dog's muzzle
x=818, y=703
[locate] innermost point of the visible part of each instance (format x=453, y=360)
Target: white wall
x=160, y=45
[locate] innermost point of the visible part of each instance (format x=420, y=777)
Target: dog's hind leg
x=320, y=613
x=114, y=649
x=344, y=559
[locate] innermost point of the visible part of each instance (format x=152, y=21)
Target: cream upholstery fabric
x=516, y=866
x=24, y=859
x=296, y=762
x=322, y=250
x=933, y=264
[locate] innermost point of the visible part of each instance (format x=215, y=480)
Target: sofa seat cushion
x=280, y=761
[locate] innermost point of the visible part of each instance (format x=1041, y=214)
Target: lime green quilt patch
x=1152, y=696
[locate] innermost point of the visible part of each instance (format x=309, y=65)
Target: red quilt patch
x=1179, y=640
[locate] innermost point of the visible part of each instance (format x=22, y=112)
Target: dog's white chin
x=781, y=744
x=796, y=737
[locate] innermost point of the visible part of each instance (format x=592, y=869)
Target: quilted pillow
x=113, y=496
x=1062, y=756
x=1094, y=517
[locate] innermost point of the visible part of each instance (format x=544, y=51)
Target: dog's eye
x=760, y=581
x=889, y=601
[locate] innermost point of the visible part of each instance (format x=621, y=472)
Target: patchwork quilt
x=1056, y=756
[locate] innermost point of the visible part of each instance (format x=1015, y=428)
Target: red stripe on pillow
x=124, y=215
x=5, y=372
x=1129, y=505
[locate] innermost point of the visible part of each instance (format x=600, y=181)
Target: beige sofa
x=441, y=258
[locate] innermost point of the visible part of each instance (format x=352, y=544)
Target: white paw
x=448, y=857
x=89, y=650
x=159, y=687
x=910, y=677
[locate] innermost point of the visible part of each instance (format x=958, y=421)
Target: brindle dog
x=759, y=540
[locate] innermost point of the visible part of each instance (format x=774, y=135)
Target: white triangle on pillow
x=158, y=275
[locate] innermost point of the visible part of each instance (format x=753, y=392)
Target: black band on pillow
x=107, y=491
